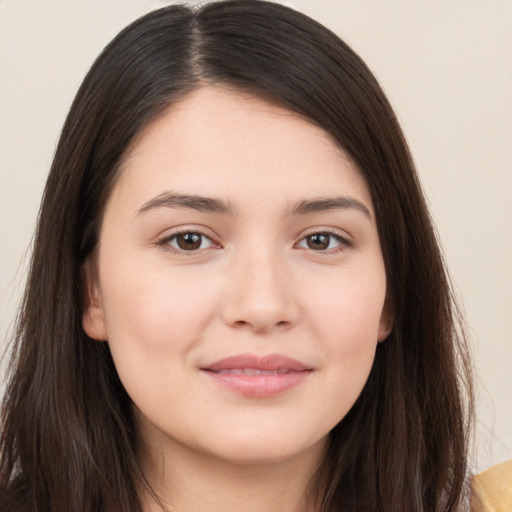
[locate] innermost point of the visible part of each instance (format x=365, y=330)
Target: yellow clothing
x=493, y=489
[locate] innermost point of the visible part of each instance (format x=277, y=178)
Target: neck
x=187, y=481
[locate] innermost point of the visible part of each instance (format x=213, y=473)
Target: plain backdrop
x=446, y=66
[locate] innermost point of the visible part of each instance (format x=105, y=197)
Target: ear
x=385, y=322
x=93, y=316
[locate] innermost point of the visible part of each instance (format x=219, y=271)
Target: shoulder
x=492, y=489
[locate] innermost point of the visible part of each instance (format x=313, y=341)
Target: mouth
x=253, y=371
x=258, y=377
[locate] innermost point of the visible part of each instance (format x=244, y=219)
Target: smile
x=258, y=377
x=254, y=371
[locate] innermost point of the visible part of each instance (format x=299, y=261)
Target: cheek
x=153, y=325
x=347, y=313
x=154, y=319
x=345, y=319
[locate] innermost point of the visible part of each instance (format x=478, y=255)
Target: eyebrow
x=213, y=205
x=193, y=202
x=329, y=203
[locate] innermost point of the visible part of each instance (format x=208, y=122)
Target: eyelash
x=165, y=242
x=342, y=242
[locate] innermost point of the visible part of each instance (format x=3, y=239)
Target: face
x=239, y=280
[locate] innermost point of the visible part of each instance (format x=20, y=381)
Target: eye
x=322, y=241
x=188, y=241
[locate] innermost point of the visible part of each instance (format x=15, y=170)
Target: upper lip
x=270, y=362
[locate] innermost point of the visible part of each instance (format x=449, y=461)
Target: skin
x=259, y=283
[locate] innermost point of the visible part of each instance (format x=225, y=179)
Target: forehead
x=223, y=142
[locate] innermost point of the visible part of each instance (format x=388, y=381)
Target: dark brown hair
x=67, y=431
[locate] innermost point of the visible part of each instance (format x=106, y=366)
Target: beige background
x=447, y=68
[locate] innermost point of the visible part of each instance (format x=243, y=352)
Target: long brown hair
x=68, y=432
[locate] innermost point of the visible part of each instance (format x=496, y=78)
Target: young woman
x=236, y=298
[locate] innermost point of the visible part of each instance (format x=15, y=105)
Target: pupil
x=318, y=241
x=189, y=241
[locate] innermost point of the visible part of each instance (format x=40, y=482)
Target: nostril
x=260, y=326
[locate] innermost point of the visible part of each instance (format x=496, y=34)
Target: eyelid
x=344, y=240
x=164, y=239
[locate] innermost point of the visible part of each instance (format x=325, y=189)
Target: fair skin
x=281, y=262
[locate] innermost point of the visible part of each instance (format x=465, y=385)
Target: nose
x=260, y=295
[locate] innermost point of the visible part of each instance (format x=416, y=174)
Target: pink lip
x=281, y=374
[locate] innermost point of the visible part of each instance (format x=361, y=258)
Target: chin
x=260, y=450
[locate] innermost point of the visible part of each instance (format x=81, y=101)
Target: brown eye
x=189, y=241
x=323, y=241
x=318, y=241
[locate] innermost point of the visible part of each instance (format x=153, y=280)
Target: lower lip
x=259, y=386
